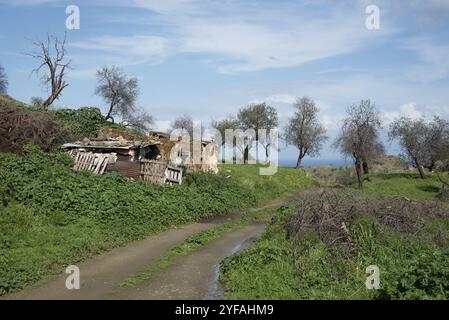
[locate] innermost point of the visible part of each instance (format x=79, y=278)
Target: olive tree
x=256, y=117
x=230, y=123
x=438, y=142
x=304, y=131
x=118, y=90
x=424, y=143
x=359, y=137
x=3, y=81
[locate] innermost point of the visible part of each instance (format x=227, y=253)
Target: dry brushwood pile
x=329, y=214
x=19, y=127
x=322, y=214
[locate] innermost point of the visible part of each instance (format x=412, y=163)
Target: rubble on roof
x=118, y=142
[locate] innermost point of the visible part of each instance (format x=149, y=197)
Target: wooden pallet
x=89, y=161
x=159, y=172
x=173, y=175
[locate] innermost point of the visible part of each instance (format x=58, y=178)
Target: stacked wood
x=89, y=161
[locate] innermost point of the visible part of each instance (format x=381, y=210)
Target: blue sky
x=209, y=58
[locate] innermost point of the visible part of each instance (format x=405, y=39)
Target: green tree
x=359, y=137
x=230, y=123
x=256, y=117
x=424, y=143
x=118, y=90
x=304, y=131
x=3, y=81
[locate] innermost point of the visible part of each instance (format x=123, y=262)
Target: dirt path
x=100, y=274
x=195, y=276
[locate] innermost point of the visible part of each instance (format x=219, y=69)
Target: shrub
x=83, y=122
x=303, y=256
x=346, y=177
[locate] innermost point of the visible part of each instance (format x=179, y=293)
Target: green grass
x=7, y=100
x=51, y=217
x=413, y=265
x=191, y=244
x=283, y=184
x=405, y=184
x=264, y=271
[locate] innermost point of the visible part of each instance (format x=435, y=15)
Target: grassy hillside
x=268, y=187
x=405, y=184
x=51, y=217
x=307, y=254
x=7, y=100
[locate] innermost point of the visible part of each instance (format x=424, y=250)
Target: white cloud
x=331, y=122
x=414, y=111
x=281, y=98
x=434, y=60
x=168, y=6
x=409, y=110
x=248, y=46
x=235, y=36
x=129, y=50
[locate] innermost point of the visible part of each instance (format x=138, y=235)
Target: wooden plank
x=81, y=161
x=75, y=166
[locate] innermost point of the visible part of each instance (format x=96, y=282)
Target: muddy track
x=195, y=276
x=101, y=274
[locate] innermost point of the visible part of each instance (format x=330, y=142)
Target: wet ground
x=192, y=277
x=195, y=276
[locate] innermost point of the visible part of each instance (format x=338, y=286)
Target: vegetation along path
x=194, y=273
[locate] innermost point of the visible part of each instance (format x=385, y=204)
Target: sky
x=208, y=58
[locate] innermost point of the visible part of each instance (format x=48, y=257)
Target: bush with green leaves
x=51, y=216
x=82, y=122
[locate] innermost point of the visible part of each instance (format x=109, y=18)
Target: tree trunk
x=267, y=154
x=223, y=155
x=359, y=171
x=298, y=162
x=246, y=155
x=421, y=171
x=365, y=167
x=109, y=115
x=257, y=151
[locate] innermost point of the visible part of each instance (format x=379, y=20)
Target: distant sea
x=315, y=162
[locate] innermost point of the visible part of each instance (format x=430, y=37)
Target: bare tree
x=184, y=122
x=140, y=121
x=304, y=131
x=423, y=143
x=37, y=101
x=359, y=137
x=3, y=81
x=118, y=90
x=256, y=117
x=52, y=57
